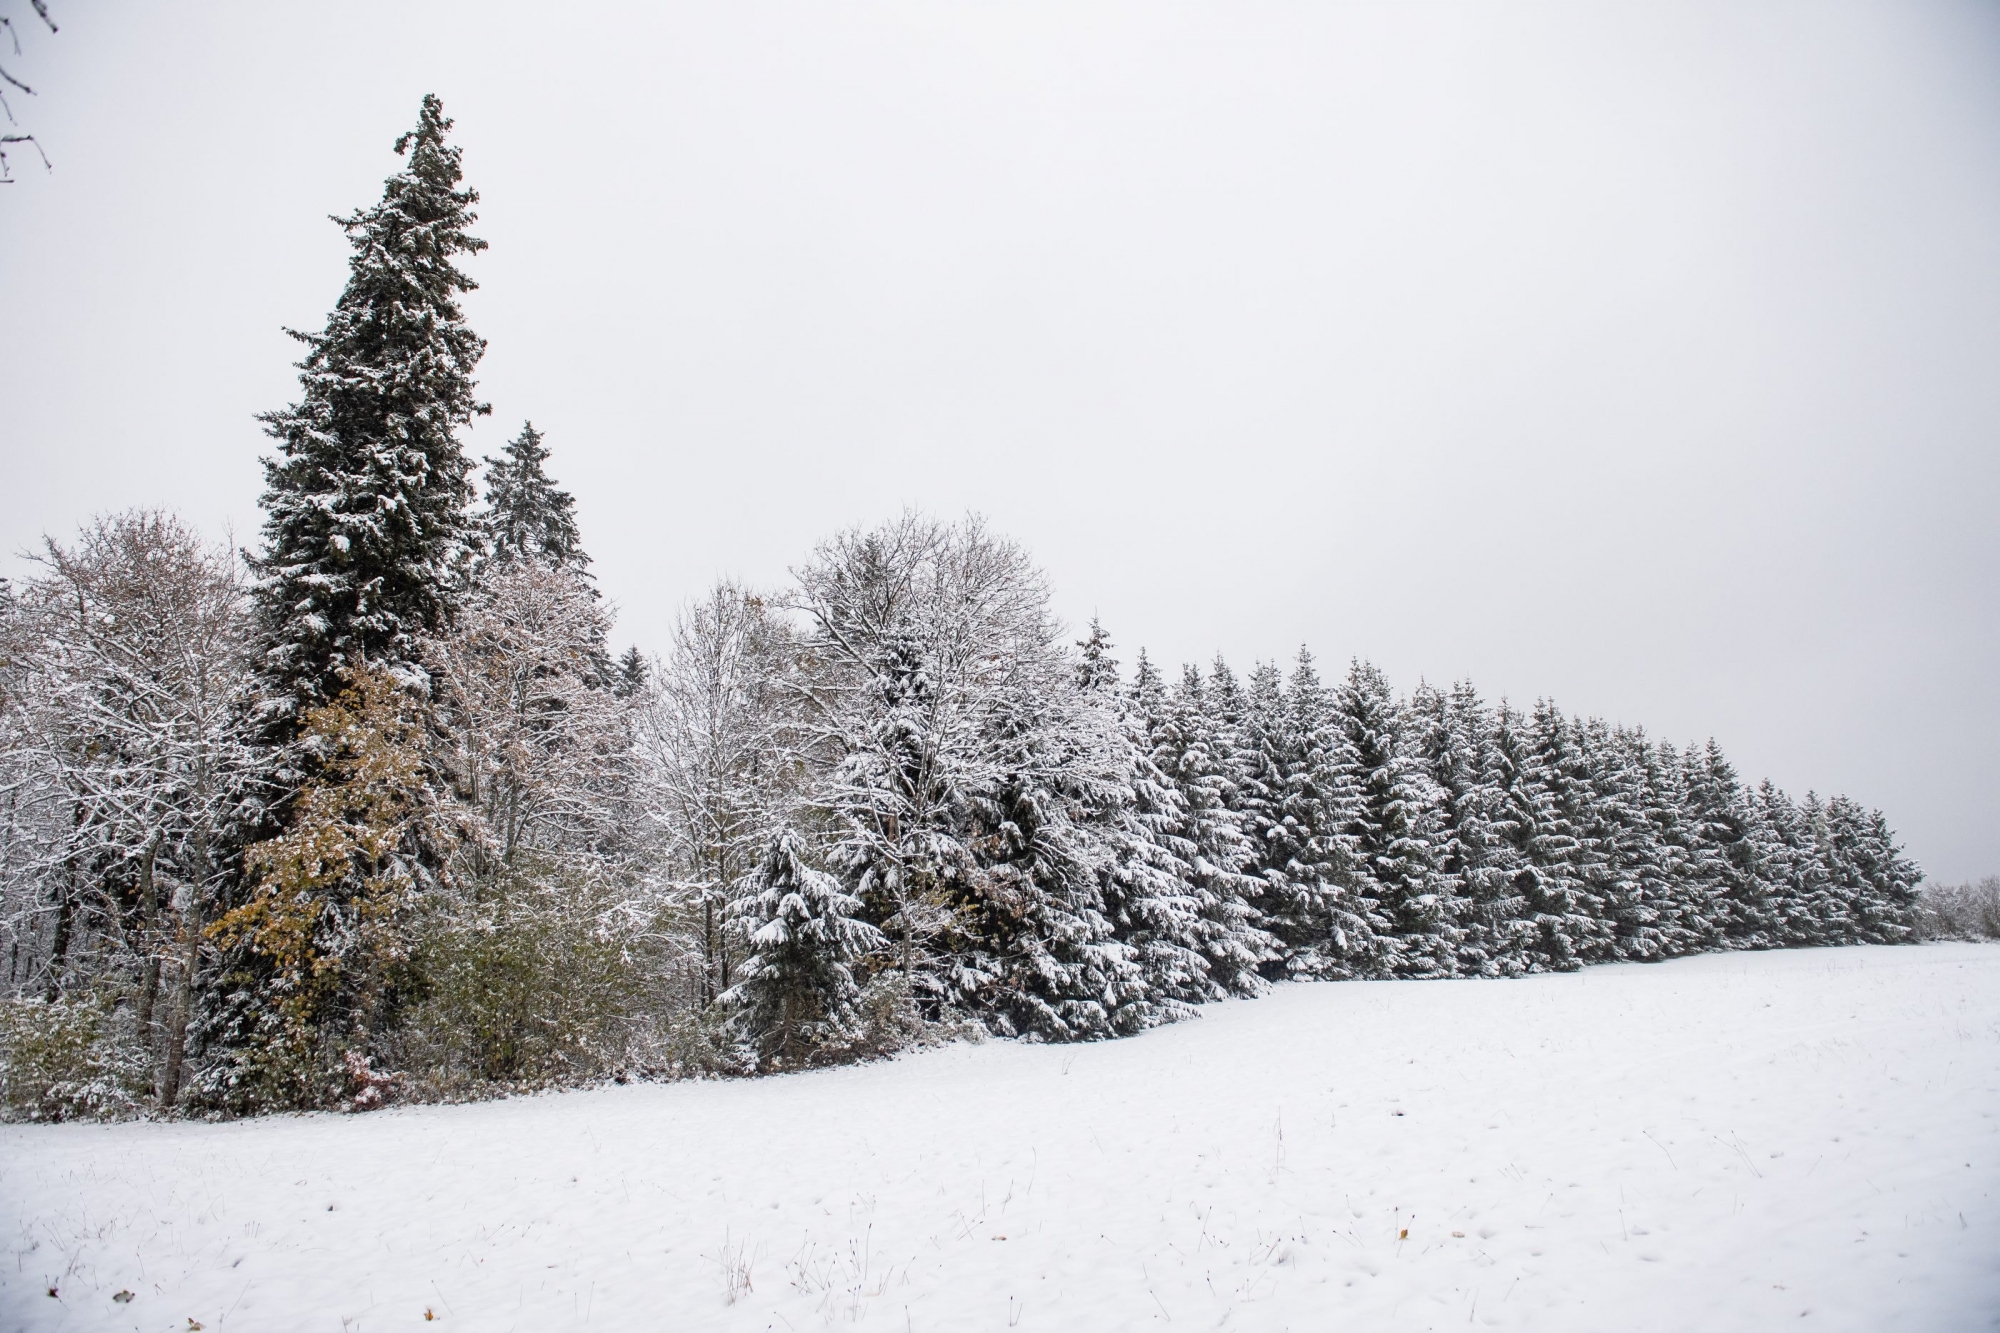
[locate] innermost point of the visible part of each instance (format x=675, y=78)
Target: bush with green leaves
x=538, y=977
x=65, y=1059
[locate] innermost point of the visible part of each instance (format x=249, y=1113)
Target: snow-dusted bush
x=1966, y=911
x=65, y=1060
x=536, y=977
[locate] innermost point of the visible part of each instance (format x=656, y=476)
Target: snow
x=1735, y=1141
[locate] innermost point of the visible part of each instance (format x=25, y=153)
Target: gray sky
x=1647, y=357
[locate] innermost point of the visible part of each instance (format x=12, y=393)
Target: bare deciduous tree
x=717, y=747
x=125, y=749
x=7, y=79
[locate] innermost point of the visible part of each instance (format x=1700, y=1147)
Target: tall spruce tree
x=1390, y=823
x=1318, y=908
x=527, y=516
x=1208, y=839
x=1453, y=737
x=367, y=528
x=1151, y=906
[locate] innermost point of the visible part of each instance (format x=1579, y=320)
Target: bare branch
x=7, y=176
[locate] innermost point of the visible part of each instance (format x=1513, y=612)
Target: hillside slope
x=1722, y=1142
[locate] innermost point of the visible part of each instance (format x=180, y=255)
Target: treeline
x=380, y=814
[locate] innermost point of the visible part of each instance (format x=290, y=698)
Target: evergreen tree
x=1147, y=897
x=1258, y=773
x=527, y=517
x=633, y=672
x=797, y=993
x=366, y=530
x=1388, y=824
x=1515, y=809
x=1454, y=740
x=1317, y=908
x=1621, y=871
x=1726, y=867
x=1875, y=883
x=1782, y=838
x=1560, y=902
x=1207, y=840
x=1032, y=943
x=1097, y=670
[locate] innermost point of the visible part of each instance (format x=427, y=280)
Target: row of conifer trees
x=388, y=812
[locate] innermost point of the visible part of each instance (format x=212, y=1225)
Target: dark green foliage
x=797, y=994
x=367, y=530
x=527, y=517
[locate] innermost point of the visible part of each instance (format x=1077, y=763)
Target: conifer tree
x=1319, y=910
x=1388, y=824
x=1259, y=774
x=1782, y=842
x=633, y=674
x=1723, y=873
x=527, y=517
x=1559, y=900
x=1454, y=740
x=1034, y=946
x=1521, y=814
x=797, y=992
x=1150, y=904
x=367, y=529
x=1208, y=842
x=1097, y=669
x=1620, y=857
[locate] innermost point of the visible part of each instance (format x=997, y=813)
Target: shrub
x=63, y=1060
x=1960, y=911
x=541, y=978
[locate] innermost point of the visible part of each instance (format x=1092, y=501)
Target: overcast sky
x=1646, y=357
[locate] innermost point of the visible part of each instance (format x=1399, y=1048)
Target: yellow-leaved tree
x=322, y=925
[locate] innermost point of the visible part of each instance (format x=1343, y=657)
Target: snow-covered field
x=1806, y=1139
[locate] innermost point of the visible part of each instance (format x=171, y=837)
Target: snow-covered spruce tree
x=1147, y=897
x=367, y=530
x=1721, y=856
x=1389, y=824
x=1557, y=896
x=1317, y=907
x=634, y=673
x=1032, y=946
x=1258, y=773
x=1870, y=872
x=1521, y=813
x=1208, y=839
x=1619, y=860
x=527, y=517
x=796, y=993
x=1783, y=839
x=1453, y=739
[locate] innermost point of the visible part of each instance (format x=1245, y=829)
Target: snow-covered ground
x=1807, y=1139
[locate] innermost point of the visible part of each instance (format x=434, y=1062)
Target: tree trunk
x=193, y=920
x=59, y=947
x=149, y=975
x=711, y=964
x=177, y=1025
